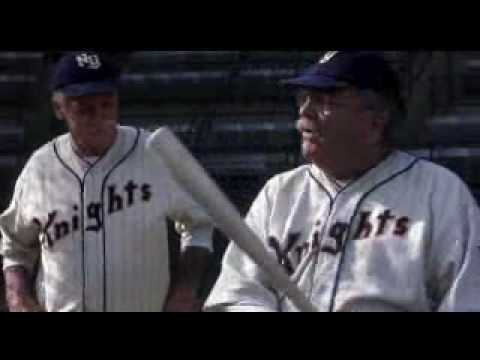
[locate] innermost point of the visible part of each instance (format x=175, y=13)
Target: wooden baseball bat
x=194, y=179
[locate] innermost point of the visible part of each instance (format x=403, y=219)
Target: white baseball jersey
x=403, y=237
x=99, y=232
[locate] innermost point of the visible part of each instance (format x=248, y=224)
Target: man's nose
x=306, y=107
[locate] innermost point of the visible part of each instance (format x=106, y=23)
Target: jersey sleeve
x=19, y=244
x=242, y=284
x=192, y=223
x=455, y=256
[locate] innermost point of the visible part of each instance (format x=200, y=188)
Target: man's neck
x=91, y=150
x=357, y=169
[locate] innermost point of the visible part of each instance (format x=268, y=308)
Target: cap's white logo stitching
x=88, y=61
x=327, y=57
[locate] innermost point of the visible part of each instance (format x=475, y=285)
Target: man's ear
x=57, y=108
x=378, y=127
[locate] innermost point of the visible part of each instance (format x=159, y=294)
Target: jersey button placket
x=332, y=246
x=325, y=265
x=92, y=252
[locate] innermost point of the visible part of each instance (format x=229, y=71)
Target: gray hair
x=387, y=105
x=58, y=95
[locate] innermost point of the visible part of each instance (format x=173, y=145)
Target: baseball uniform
x=403, y=237
x=98, y=231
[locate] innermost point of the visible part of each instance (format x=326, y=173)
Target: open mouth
x=308, y=132
x=306, y=128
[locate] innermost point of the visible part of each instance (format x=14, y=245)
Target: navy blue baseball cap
x=360, y=69
x=84, y=73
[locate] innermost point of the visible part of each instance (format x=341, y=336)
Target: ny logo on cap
x=327, y=57
x=88, y=61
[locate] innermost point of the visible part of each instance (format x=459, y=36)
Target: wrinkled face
x=336, y=126
x=92, y=120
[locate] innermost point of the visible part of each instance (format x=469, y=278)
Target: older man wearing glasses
x=363, y=226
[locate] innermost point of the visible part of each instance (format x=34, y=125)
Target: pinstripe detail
x=357, y=208
x=81, y=182
x=105, y=179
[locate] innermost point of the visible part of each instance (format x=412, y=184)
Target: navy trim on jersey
x=82, y=217
x=333, y=199
x=330, y=197
x=357, y=208
x=105, y=179
x=91, y=165
x=82, y=206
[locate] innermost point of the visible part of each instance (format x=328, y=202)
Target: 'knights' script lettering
x=117, y=199
x=291, y=251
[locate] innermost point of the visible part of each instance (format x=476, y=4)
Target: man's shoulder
x=134, y=130
x=429, y=171
x=134, y=136
x=290, y=177
x=46, y=151
x=438, y=178
x=41, y=159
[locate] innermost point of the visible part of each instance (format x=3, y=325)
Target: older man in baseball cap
x=86, y=228
x=362, y=226
x=80, y=74
x=92, y=83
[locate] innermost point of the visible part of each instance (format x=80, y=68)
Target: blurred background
x=228, y=108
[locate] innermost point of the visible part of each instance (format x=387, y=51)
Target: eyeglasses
x=324, y=101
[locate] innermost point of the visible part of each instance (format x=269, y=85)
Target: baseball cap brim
x=93, y=88
x=315, y=82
